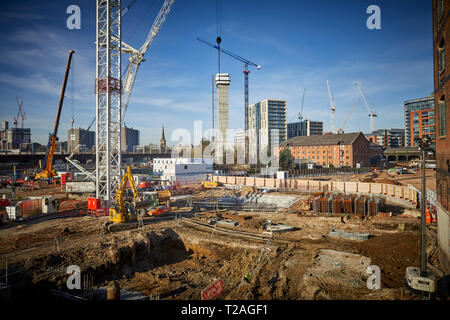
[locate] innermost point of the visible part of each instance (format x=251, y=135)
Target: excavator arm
x=119, y=214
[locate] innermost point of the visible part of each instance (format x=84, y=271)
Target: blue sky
x=299, y=44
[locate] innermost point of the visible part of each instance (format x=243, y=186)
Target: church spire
x=162, y=143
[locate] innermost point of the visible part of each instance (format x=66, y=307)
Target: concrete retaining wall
x=402, y=193
x=443, y=221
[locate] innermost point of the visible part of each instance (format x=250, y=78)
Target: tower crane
x=341, y=130
x=246, y=72
x=332, y=106
x=372, y=113
x=136, y=57
x=300, y=114
x=20, y=113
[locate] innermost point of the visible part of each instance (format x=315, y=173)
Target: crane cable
x=72, y=94
x=219, y=31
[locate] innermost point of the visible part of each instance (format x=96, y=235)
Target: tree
x=286, y=159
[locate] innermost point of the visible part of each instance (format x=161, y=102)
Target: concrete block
x=349, y=235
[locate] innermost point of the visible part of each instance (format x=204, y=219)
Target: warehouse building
x=441, y=32
x=337, y=150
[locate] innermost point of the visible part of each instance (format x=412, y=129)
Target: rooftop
x=322, y=140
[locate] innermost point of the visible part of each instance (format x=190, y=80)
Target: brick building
x=338, y=150
x=441, y=37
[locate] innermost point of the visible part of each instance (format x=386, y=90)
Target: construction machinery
x=341, y=129
x=332, y=106
x=246, y=71
x=125, y=209
x=111, y=96
x=210, y=184
x=159, y=202
x=48, y=171
x=372, y=113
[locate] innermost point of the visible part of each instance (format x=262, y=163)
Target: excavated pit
x=163, y=265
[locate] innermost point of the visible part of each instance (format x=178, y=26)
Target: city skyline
x=291, y=40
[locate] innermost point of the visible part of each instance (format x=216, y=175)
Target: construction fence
x=406, y=194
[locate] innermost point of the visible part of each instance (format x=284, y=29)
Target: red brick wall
x=441, y=31
x=361, y=152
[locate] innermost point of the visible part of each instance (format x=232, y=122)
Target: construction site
x=112, y=225
x=261, y=242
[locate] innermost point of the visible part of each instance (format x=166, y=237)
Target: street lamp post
x=424, y=146
x=420, y=278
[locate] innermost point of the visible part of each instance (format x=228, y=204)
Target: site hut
x=183, y=170
x=338, y=150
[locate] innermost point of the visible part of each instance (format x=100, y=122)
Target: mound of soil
x=393, y=253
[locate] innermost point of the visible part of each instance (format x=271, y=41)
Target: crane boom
x=157, y=24
x=137, y=56
x=332, y=106
x=341, y=130
x=300, y=115
x=48, y=171
x=231, y=54
x=246, y=71
x=372, y=114
x=364, y=97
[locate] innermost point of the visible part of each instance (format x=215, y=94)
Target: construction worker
x=427, y=213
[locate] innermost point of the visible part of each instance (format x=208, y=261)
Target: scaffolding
x=108, y=89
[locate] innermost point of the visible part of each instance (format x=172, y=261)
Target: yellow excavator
x=48, y=171
x=125, y=210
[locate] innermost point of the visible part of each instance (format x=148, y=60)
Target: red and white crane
x=20, y=113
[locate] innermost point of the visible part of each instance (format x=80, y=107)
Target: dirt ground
x=172, y=258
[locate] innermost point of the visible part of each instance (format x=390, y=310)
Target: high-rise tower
x=222, y=84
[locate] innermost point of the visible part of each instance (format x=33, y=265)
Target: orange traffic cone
x=427, y=213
